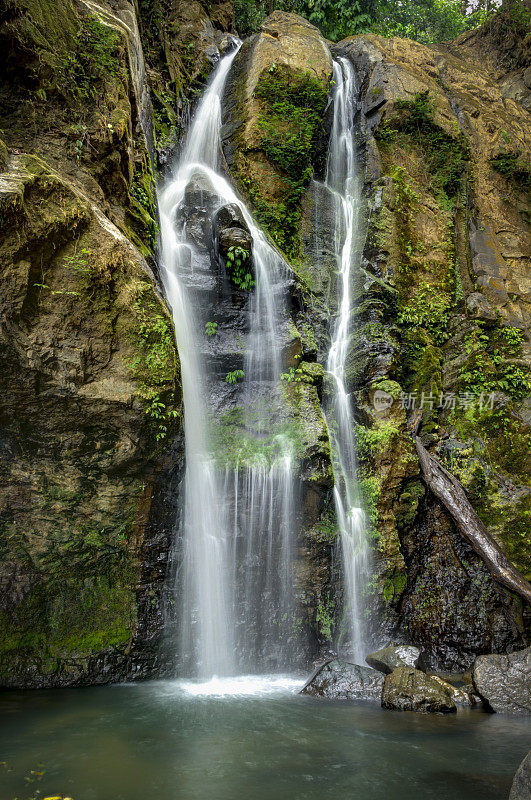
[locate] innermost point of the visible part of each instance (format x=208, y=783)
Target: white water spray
x=237, y=529
x=343, y=179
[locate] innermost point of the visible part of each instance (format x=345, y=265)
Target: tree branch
x=452, y=495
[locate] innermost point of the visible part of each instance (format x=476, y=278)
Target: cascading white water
x=344, y=181
x=237, y=529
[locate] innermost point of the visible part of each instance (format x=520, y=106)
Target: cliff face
x=443, y=313
x=90, y=389
x=92, y=99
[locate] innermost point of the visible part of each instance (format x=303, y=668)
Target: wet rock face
x=390, y=658
x=521, y=787
x=339, y=680
x=195, y=213
x=408, y=689
x=504, y=681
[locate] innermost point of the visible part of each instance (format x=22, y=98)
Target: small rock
x=339, y=680
x=235, y=237
x=459, y=695
x=408, y=689
x=504, y=681
x=230, y=216
x=521, y=788
x=389, y=658
x=479, y=308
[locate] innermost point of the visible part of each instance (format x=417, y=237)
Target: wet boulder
x=521, y=788
x=460, y=695
x=339, y=680
x=234, y=244
x=409, y=689
x=231, y=230
x=392, y=657
x=195, y=211
x=235, y=237
x=504, y=681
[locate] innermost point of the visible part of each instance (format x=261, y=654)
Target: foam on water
x=237, y=686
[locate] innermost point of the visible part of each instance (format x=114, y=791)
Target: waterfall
x=344, y=181
x=236, y=536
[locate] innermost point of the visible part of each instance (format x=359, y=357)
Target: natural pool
x=248, y=740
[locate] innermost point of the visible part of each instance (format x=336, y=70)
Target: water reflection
x=169, y=741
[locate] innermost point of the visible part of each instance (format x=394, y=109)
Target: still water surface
x=249, y=739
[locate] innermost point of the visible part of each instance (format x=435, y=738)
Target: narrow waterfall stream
x=344, y=181
x=233, y=566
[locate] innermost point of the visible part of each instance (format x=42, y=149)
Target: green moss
x=513, y=166
x=154, y=364
x=92, y=59
x=236, y=443
x=490, y=365
x=325, y=529
x=447, y=156
x=291, y=106
x=324, y=619
x=142, y=206
x=371, y=442
x=393, y=586
x=164, y=119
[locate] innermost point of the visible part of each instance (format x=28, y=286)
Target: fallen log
x=452, y=495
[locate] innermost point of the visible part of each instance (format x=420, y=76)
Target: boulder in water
x=339, y=680
x=392, y=657
x=504, y=681
x=460, y=695
x=409, y=689
x=521, y=788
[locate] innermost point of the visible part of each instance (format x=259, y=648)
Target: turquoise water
x=169, y=741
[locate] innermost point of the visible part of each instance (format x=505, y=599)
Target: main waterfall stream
x=233, y=565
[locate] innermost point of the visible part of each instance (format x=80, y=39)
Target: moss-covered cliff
x=442, y=327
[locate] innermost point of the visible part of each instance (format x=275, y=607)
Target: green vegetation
x=490, y=367
x=153, y=365
x=236, y=262
x=92, y=59
x=426, y=20
x=235, y=376
x=236, y=441
x=211, y=328
x=142, y=208
x=324, y=619
x=446, y=156
x=512, y=165
x=292, y=104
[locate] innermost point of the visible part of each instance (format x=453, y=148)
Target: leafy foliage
x=237, y=266
x=292, y=103
x=423, y=20
x=512, y=166
x=93, y=59
x=235, y=376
